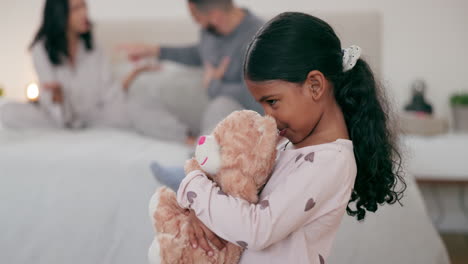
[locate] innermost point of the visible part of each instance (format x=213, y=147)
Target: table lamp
x=32, y=92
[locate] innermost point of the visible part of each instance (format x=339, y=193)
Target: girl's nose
x=202, y=140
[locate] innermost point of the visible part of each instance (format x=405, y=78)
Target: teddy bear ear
x=267, y=127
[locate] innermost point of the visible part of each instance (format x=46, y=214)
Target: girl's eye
x=272, y=102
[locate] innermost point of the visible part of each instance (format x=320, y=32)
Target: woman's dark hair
x=53, y=31
x=293, y=44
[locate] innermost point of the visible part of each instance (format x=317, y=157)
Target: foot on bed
x=169, y=176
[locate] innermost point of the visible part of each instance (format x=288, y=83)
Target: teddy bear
x=239, y=157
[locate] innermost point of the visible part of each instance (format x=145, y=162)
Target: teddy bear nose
x=202, y=140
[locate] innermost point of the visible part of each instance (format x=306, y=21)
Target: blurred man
x=226, y=31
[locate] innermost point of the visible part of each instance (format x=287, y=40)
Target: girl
x=77, y=88
x=340, y=149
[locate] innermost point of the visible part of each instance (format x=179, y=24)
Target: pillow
x=179, y=88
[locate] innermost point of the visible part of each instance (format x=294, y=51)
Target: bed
x=82, y=197
x=78, y=197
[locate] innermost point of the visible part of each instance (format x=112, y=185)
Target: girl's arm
x=311, y=190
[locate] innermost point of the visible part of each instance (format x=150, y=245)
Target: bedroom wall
x=422, y=38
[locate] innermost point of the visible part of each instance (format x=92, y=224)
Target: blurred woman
x=77, y=89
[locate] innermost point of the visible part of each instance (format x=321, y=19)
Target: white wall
x=424, y=39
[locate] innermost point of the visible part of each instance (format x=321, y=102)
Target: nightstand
x=439, y=159
x=440, y=166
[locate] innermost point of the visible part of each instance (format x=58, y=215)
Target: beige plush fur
x=247, y=152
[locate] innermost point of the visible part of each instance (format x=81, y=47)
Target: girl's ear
x=316, y=84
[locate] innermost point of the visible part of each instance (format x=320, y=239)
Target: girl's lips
x=282, y=132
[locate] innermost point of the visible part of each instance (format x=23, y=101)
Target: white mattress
x=78, y=197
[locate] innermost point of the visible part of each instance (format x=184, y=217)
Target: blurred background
x=419, y=52
x=422, y=39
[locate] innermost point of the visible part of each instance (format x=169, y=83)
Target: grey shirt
x=212, y=49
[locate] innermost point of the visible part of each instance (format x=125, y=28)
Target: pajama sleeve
x=111, y=89
x=42, y=64
x=189, y=55
x=46, y=75
x=316, y=184
x=43, y=67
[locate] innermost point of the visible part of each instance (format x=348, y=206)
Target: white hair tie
x=350, y=57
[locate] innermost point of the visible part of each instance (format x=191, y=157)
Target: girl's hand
x=199, y=235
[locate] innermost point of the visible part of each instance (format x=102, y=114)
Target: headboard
x=360, y=28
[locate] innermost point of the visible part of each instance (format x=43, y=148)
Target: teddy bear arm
x=234, y=183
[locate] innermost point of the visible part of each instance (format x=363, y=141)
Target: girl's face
x=78, y=21
x=291, y=105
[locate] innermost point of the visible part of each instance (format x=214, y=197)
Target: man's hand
x=215, y=73
x=199, y=235
x=56, y=90
x=139, y=51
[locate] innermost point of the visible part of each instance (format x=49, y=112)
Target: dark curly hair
x=53, y=31
x=293, y=44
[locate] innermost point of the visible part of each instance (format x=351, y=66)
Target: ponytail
x=378, y=161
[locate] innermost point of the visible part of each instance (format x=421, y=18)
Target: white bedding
x=78, y=197
x=394, y=234
x=82, y=197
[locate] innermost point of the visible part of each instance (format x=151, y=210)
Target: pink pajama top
x=299, y=211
